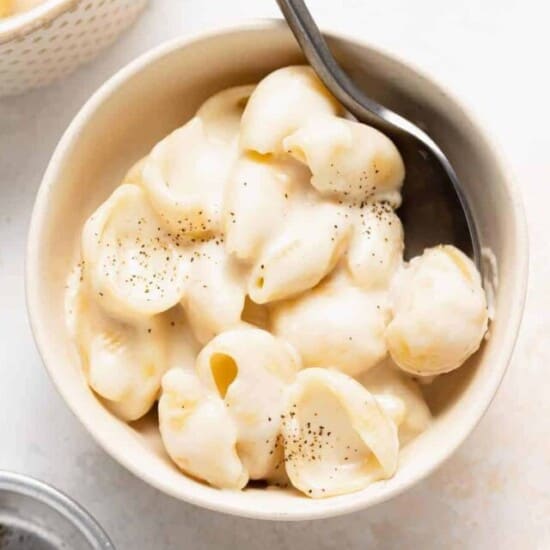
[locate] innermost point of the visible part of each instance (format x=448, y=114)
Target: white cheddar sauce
x=248, y=276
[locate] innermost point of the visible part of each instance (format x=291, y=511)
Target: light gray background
x=495, y=492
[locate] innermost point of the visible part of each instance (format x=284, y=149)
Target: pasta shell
x=348, y=160
x=250, y=369
x=133, y=266
x=198, y=433
x=337, y=438
x=281, y=103
x=439, y=312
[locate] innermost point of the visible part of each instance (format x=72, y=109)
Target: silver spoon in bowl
x=434, y=208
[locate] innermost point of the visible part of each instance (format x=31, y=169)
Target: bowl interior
x=158, y=93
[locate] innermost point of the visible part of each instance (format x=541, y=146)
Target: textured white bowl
x=158, y=92
x=53, y=38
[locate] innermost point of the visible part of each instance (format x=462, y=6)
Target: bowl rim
x=60, y=502
x=17, y=26
x=510, y=333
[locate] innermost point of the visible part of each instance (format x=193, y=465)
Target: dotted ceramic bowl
x=56, y=36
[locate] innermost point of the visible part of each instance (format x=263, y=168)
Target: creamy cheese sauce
x=248, y=274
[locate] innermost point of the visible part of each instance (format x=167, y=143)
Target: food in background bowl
x=13, y=7
x=270, y=199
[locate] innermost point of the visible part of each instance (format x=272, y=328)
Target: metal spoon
x=434, y=208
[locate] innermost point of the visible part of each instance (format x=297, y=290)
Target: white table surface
x=495, y=491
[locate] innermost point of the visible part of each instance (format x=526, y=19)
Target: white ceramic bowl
x=158, y=92
x=50, y=40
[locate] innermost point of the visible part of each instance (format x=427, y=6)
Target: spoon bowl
x=432, y=190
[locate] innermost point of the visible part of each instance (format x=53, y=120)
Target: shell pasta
x=247, y=279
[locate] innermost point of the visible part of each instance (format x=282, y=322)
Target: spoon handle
x=329, y=71
x=320, y=57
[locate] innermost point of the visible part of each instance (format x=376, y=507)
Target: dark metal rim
x=60, y=502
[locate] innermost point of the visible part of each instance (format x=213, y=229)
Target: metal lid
x=35, y=516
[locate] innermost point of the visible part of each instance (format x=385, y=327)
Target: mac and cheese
x=248, y=274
